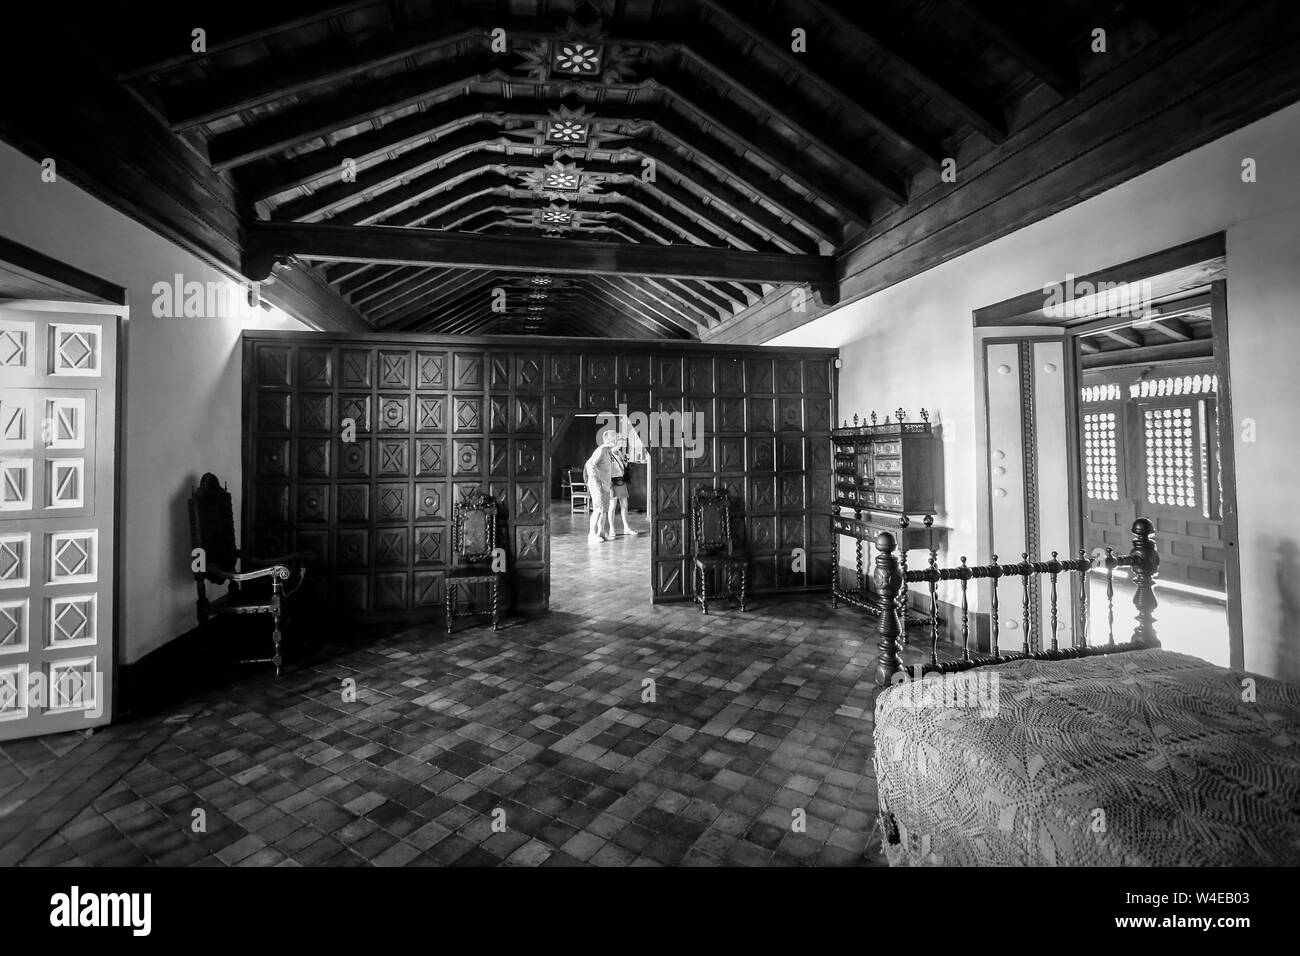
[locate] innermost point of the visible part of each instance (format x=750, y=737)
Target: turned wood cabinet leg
x=704, y=592
x=744, y=580
x=450, y=601
x=495, y=589
x=276, y=638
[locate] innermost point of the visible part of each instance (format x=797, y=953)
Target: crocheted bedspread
x=1143, y=758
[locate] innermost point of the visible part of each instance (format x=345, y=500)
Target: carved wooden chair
x=473, y=540
x=713, y=549
x=212, y=535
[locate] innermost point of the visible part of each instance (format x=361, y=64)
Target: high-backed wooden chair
x=713, y=548
x=215, y=559
x=473, y=539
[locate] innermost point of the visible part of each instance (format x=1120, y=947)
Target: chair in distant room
x=215, y=558
x=714, y=553
x=579, y=497
x=473, y=540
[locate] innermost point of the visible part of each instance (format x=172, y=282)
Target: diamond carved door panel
x=58, y=379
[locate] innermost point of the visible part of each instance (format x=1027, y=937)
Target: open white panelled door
x=1028, y=477
x=58, y=383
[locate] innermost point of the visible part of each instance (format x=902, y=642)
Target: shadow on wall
x=1287, y=582
x=940, y=484
x=178, y=554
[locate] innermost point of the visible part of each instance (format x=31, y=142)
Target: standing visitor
x=618, y=486
x=598, y=473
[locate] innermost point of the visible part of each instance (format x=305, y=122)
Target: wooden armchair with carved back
x=713, y=547
x=215, y=558
x=473, y=547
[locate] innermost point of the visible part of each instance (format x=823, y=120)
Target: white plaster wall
x=913, y=344
x=181, y=388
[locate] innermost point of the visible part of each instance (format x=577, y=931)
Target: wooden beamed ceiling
x=673, y=168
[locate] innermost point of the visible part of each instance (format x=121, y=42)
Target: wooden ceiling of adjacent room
x=785, y=127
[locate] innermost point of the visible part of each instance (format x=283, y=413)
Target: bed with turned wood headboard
x=1068, y=751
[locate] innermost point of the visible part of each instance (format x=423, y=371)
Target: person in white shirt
x=598, y=473
x=618, y=486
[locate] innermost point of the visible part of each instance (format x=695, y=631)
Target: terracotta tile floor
x=538, y=744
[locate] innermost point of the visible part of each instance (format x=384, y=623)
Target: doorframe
x=548, y=448
x=1228, y=471
x=1227, y=450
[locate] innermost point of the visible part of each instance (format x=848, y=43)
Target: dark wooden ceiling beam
x=321, y=203
x=390, y=208
x=393, y=202
x=1051, y=67
x=1176, y=329
x=228, y=96
x=726, y=197
x=636, y=227
x=426, y=197
x=670, y=295
x=465, y=322
x=917, y=67
x=322, y=116
x=668, y=130
x=1125, y=337
x=469, y=294
x=266, y=242
x=353, y=285
x=736, y=74
x=619, y=318
x=301, y=124
x=735, y=228
x=707, y=307
x=389, y=285
x=726, y=306
x=615, y=313
x=619, y=290
x=449, y=284
x=293, y=75
x=733, y=231
x=1164, y=352
x=391, y=298
x=655, y=303
x=611, y=322
x=340, y=271
x=902, y=133
x=260, y=180
x=678, y=132
x=168, y=27
x=696, y=98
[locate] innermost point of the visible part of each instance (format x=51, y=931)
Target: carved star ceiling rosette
x=560, y=181
x=566, y=127
x=560, y=217
x=579, y=53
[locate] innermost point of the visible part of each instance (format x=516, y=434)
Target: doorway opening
x=1151, y=396
x=589, y=573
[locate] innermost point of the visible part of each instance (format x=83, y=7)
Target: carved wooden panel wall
x=436, y=417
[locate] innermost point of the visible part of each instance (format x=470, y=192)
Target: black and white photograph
x=817, y=434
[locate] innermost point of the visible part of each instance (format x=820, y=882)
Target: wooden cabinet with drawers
x=883, y=472
x=889, y=467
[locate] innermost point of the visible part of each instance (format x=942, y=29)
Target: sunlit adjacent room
x=651, y=433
